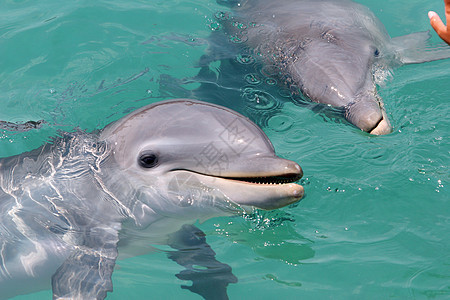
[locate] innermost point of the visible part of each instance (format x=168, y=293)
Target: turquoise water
x=376, y=217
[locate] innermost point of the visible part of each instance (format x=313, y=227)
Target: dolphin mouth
x=368, y=115
x=271, y=191
x=268, y=180
x=383, y=126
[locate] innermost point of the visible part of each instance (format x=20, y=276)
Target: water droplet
x=214, y=26
x=271, y=81
x=245, y=59
x=52, y=91
x=258, y=99
x=239, y=25
x=238, y=38
x=222, y=16
x=252, y=79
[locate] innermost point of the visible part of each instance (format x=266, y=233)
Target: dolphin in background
x=333, y=52
x=70, y=208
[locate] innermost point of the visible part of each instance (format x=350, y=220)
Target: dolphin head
x=336, y=68
x=184, y=155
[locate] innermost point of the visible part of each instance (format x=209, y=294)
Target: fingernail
x=431, y=14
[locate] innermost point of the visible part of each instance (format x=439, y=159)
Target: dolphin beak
x=262, y=182
x=369, y=116
x=264, y=189
x=383, y=127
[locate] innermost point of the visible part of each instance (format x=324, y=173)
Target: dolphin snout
x=369, y=116
x=383, y=126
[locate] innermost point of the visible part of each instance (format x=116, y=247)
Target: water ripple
x=430, y=282
x=280, y=123
x=258, y=99
x=245, y=59
x=298, y=136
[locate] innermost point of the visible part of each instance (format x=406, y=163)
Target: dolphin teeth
x=272, y=180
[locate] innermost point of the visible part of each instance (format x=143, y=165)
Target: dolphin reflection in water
x=71, y=207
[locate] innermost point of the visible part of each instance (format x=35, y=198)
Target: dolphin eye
x=376, y=53
x=148, y=160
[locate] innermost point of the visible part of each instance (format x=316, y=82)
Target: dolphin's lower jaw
x=383, y=126
x=369, y=116
x=263, y=192
x=259, y=193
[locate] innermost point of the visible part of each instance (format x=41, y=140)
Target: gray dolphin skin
x=71, y=207
x=333, y=51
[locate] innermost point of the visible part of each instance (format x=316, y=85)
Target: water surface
x=375, y=220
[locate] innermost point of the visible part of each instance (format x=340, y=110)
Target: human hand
x=442, y=30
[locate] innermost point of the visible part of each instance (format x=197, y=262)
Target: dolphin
x=333, y=52
x=69, y=208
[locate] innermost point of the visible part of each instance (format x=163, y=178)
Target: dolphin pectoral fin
x=415, y=48
x=86, y=274
x=209, y=276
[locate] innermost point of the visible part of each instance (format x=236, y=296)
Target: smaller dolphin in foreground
x=332, y=51
x=69, y=208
